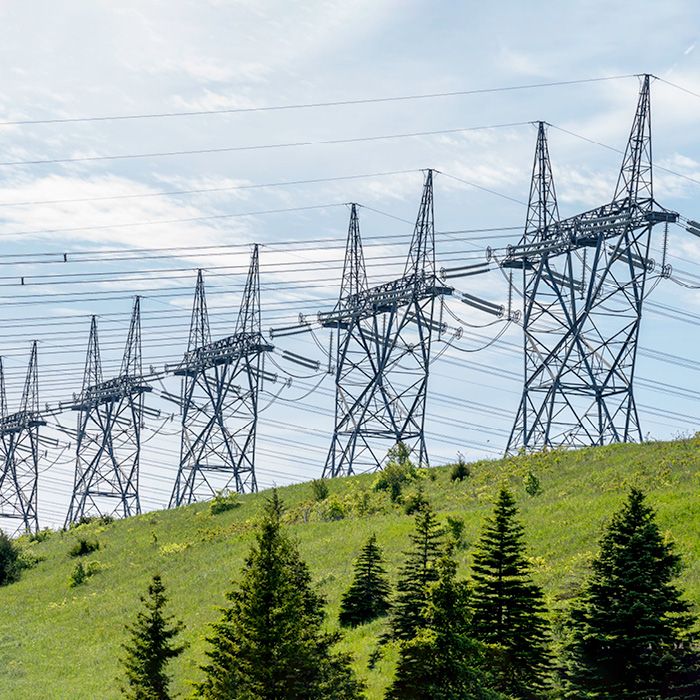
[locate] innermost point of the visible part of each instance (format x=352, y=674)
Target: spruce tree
x=151, y=648
x=443, y=661
x=417, y=573
x=368, y=595
x=629, y=628
x=507, y=606
x=269, y=643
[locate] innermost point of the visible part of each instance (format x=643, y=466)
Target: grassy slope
x=61, y=642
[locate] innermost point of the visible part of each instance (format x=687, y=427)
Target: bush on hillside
x=10, y=564
x=334, y=509
x=319, y=487
x=415, y=501
x=223, y=501
x=91, y=520
x=460, y=470
x=82, y=572
x=532, y=485
x=83, y=546
x=40, y=535
x=398, y=472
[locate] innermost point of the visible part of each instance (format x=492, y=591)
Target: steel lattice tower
x=584, y=282
x=220, y=387
x=108, y=445
x=19, y=439
x=383, y=351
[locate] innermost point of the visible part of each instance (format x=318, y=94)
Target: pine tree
x=151, y=648
x=630, y=627
x=269, y=643
x=368, y=595
x=507, y=606
x=417, y=573
x=443, y=661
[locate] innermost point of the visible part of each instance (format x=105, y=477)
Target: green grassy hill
x=60, y=642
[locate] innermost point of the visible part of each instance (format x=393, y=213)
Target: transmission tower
x=383, y=351
x=19, y=438
x=221, y=381
x=110, y=418
x=583, y=283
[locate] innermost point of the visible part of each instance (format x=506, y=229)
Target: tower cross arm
x=224, y=351
x=383, y=297
x=608, y=221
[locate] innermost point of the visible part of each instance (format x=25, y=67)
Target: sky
x=59, y=194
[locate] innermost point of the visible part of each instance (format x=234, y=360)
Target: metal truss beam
x=221, y=381
x=383, y=351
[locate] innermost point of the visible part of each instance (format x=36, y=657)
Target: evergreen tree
x=443, y=661
x=150, y=648
x=417, y=573
x=368, y=595
x=629, y=628
x=507, y=606
x=269, y=643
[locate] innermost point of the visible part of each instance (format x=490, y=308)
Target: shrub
x=320, y=490
x=91, y=519
x=9, y=560
x=83, y=547
x=40, y=536
x=415, y=502
x=334, y=510
x=27, y=559
x=82, y=572
x=224, y=501
x=78, y=575
x=532, y=485
x=174, y=548
x=460, y=470
x=361, y=500
x=398, y=472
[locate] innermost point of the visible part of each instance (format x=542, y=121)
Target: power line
x=135, y=224
x=678, y=87
x=310, y=105
x=197, y=250
x=620, y=151
x=210, y=190
x=256, y=147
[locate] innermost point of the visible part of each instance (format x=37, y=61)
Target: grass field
x=59, y=642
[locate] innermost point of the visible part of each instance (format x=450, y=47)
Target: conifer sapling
x=508, y=607
x=417, y=573
x=630, y=627
x=270, y=641
x=443, y=661
x=151, y=648
x=368, y=595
